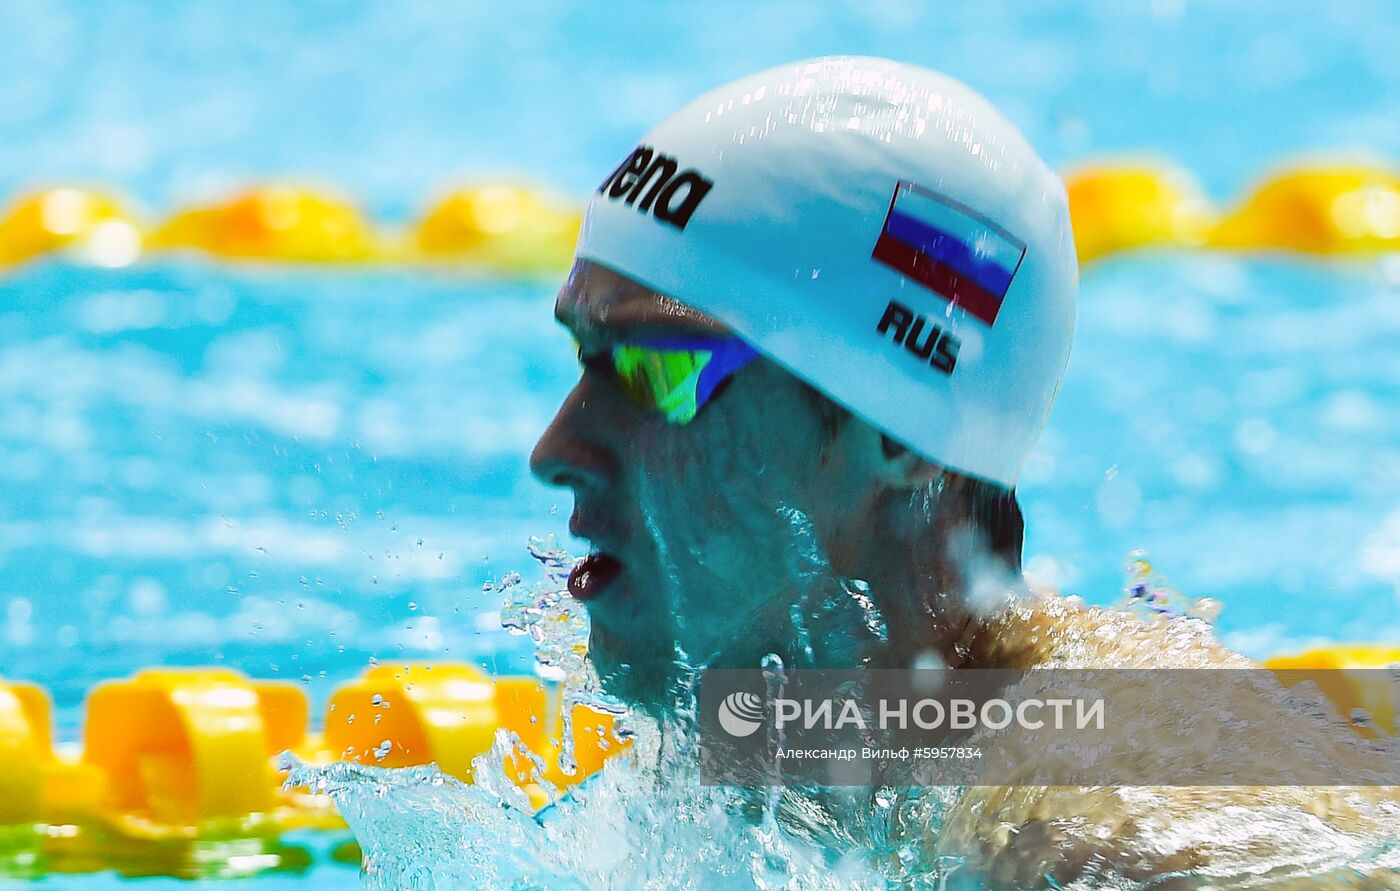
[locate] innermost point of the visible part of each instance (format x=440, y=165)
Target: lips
x=592, y=575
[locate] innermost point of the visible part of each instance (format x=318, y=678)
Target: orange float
x=507, y=227
x=273, y=223
x=181, y=746
x=513, y=229
x=1346, y=674
x=397, y=715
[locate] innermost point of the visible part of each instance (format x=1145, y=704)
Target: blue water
x=291, y=472
x=284, y=472
x=390, y=101
x=236, y=465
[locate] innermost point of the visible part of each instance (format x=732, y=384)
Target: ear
x=904, y=467
x=893, y=464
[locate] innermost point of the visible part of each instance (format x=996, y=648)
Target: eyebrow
x=633, y=316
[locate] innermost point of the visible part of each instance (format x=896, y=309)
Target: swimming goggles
x=674, y=376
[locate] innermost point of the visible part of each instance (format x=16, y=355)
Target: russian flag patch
x=950, y=249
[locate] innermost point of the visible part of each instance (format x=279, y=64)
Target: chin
x=643, y=676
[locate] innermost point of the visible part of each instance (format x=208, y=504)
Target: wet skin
x=710, y=532
x=721, y=527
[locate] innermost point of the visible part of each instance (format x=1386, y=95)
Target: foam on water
x=644, y=822
x=647, y=821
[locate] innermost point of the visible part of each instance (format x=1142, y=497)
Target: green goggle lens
x=667, y=381
x=674, y=376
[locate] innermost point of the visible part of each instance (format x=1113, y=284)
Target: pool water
x=290, y=472
x=393, y=102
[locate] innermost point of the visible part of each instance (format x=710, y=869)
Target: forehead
x=598, y=301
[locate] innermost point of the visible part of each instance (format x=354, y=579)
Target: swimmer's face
x=702, y=534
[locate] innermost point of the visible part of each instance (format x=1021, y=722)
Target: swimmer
x=822, y=315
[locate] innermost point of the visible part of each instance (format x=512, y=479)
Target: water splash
x=643, y=822
x=647, y=821
x=420, y=829
x=1148, y=596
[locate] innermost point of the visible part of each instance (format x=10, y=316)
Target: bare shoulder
x=1026, y=836
x=1053, y=837
x=1050, y=631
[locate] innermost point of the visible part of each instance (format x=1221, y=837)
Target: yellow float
x=506, y=227
x=94, y=228
x=188, y=752
x=182, y=746
x=513, y=229
x=1119, y=207
x=1347, y=675
x=397, y=715
x=280, y=223
x=177, y=765
x=1317, y=210
x=176, y=773
x=25, y=750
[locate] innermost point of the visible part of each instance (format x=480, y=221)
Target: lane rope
x=514, y=229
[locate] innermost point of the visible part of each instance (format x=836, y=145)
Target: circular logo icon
x=740, y=714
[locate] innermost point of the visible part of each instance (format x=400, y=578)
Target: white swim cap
x=877, y=228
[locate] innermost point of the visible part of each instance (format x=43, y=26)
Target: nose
x=572, y=452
